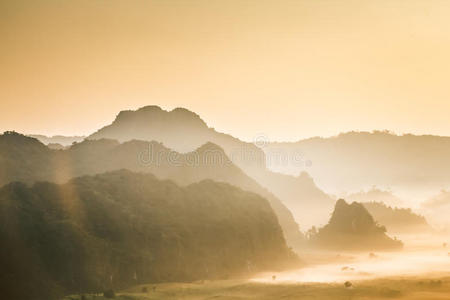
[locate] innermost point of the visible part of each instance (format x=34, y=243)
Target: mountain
x=58, y=139
x=24, y=159
x=352, y=227
x=376, y=195
x=309, y=205
x=56, y=146
x=438, y=201
x=121, y=228
x=181, y=130
x=437, y=209
x=27, y=160
x=398, y=220
x=354, y=161
x=184, y=131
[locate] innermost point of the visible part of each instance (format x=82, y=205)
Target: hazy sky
x=288, y=69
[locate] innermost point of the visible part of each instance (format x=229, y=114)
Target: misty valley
x=158, y=205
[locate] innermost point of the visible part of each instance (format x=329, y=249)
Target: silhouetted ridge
x=121, y=228
x=187, y=115
x=376, y=195
x=185, y=132
x=58, y=139
x=352, y=227
x=98, y=156
x=399, y=220
x=210, y=147
x=309, y=205
x=98, y=144
x=179, y=129
x=406, y=162
x=14, y=139
x=154, y=115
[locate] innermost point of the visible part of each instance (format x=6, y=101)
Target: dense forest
x=122, y=228
x=27, y=160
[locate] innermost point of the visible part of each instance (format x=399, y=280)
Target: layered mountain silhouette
x=309, y=205
x=57, y=139
x=184, y=131
x=352, y=227
x=437, y=209
x=121, y=228
x=376, y=195
x=181, y=130
x=412, y=163
x=398, y=220
x=27, y=160
x=439, y=201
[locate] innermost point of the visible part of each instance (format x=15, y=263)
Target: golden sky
x=287, y=69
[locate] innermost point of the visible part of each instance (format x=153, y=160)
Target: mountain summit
x=184, y=131
x=179, y=129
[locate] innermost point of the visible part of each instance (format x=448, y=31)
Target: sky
x=283, y=69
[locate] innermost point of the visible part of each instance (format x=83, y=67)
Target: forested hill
x=122, y=228
x=26, y=159
x=352, y=227
x=398, y=220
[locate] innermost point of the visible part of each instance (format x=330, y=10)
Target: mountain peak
x=305, y=176
x=344, y=211
x=150, y=108
x=14, y=138
x=154, y=114
x=209, y=146
x=182, y=110
x=341, y=203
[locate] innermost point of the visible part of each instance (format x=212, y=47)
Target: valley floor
x=421, y=271
x=412, y=288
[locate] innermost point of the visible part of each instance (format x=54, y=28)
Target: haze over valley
x=224, y=149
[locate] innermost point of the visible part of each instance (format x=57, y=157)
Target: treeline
x=400, y=220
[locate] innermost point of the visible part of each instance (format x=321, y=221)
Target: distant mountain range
x=27, y=160
x=57, y=139
x=350, y=162
x=184, y=131
x=397, y=220
x=376, y=195
x=437, y=208
x=159, y=196
x=309, y=205
x=121, y=228
x=354, y=161
x=181, y=130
